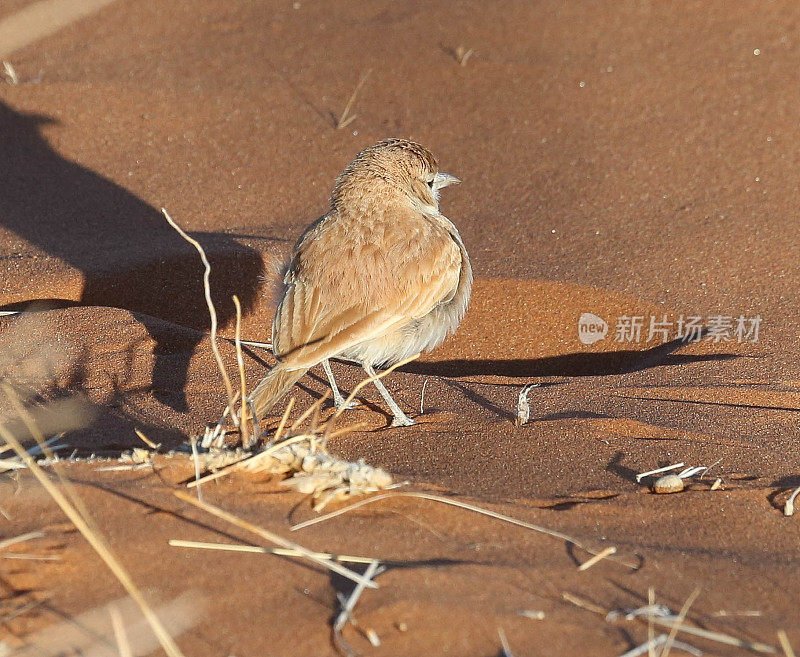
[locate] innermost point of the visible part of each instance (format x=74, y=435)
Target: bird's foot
x=402, y=420
x=343, y=405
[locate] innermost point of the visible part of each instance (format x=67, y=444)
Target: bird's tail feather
x=273, y=387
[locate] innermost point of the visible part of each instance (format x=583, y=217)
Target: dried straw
x=468, y=507
x=274, y=538
x=211, y=309
x=95, y=540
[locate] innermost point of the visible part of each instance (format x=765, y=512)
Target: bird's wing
x=334, y=303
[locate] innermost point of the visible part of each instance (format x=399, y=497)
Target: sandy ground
x=620, y=159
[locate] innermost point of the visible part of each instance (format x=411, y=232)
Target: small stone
x=668, y=484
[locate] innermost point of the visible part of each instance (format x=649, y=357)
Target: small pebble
x=668, y=484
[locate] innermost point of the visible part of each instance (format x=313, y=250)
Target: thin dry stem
x=274, y=538
x=468, y=507
x=785, y=645
x=146, y=440
x=345, y=120
x=22, y=610
x=196, y=459
x=651, y=633
x=242, y=382
x=719, y=637
x=348, y=607
x=211, y=310
x=97, y=542
x=504, y=643
x=20, y=539
x=583, y=604
x=597, y=557
x=304, y=415
x=284, y=419
x=284, y=552
x=121, y=636
x=679, y=622
x=13, y=78
x=44, y=446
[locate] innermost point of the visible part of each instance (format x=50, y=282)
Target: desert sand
x=620, y=159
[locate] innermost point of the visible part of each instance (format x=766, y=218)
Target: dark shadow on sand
x=580, y=364
x=128, y=255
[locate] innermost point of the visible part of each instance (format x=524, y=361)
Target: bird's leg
x=400, y=418
x=338, y=399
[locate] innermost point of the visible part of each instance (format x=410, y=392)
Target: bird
x=381, y=277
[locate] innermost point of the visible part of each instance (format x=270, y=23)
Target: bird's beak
x=443, y=180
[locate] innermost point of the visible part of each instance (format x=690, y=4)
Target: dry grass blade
x=583, y=604
x=719, y=637
x=274, y=538
x=468, y=507
x=348, y=607
x=146, y=440
x=97, y=542
x=648, y=646
x=196, y=459
x=666, y=468
x=284, y=552
x=246, y=439
x=311, y=409
x=20, y=539
x=679, y=621
x=22, y=610
x=212, y=311
x=651, y=601
x=504, y=643
x=31, y=557
x=284, y=420
x=597, y=557
x=13, y=78
x=345, y=119
x=783, y=639
x=120, y=635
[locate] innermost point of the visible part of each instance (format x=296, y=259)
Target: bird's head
x=390, y=169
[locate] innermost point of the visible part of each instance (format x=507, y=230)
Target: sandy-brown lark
x=382, y=276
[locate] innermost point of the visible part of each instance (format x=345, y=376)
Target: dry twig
x=345, y=119
x=274, y=538
x=212, y=311
x=11, y=73
x=284, y=552
x=468, y=507
x=785, y=645
x=81, y=522
x=679, y=622
x=246, y=441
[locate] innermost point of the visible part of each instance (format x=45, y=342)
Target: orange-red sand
x=620, y=159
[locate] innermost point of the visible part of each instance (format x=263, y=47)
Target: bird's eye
x=430, y=183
